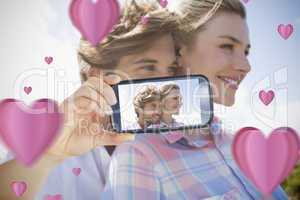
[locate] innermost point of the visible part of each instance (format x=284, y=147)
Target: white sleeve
x=87, y=185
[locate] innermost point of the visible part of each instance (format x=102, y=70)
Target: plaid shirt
x=175, y=167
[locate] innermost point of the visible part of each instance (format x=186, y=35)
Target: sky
x=33, y=29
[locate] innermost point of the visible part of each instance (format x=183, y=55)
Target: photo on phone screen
x=162, y=104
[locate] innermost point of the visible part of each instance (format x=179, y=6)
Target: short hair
x=129, y=36
x=147, y=94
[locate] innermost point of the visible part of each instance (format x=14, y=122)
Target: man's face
x=158, y=61
x=152, y=112
x=172, y=102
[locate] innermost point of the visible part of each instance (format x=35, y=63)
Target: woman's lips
x=233, y=84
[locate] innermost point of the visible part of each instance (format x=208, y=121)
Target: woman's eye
x=227, y=46
x=247, y=52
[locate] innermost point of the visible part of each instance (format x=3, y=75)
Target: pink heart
x=163, y=3
x=94, y=19
x=239, y=154
x=76, y=171
x=266, y=97
x=266, y=162
x=27, y=90
x=28, y=131
x=285, y=31
x=53, y=197
x=48, y=60
x=144, y=20
x=19, y=187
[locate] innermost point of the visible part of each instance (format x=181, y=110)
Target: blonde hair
x=147, y=94
x=129, y=36
x=166, y=89
x=196, y=13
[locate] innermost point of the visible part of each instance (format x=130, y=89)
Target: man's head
x=134, y=49
x=147, y=106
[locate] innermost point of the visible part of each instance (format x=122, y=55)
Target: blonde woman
x=147, y=107
x=215, y=43
x=134, y=49
x=171, y=102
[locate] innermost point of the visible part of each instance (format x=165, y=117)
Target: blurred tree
x=292, y=184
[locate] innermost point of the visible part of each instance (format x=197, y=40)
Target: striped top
x=177, y=167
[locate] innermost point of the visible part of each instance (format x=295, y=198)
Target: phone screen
x=162, y=104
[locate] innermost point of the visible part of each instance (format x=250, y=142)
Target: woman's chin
x=225, y=102
x=229, y=103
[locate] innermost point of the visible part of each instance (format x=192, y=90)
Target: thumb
x=112, y=79
x=80, y=144
x=112, y=138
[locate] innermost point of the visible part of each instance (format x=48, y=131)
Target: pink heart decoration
x=53, y=197
x=76, y=171
x=144, y=20
x=266, y=97
x=285, y=31
x=94, y=18
x=163, y=3
x=18, y=187
x=266, y=162
x=27, y=90
x=240, y=153
x=28, y=131
x=48, y=60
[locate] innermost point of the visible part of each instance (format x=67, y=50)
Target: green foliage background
x=292, y=184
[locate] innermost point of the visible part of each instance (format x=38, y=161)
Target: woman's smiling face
x=220, y=53
x=172, y=103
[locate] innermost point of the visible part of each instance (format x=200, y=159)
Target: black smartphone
x=162, y=104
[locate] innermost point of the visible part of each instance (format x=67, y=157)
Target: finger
x=112, y=138
x=79, y=144
x=112, y=79
x=102, y=102
x=103, y=88
x=98, y=124
x=87, y=99
x=102, y=108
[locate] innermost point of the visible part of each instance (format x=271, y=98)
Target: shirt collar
x=201, y=141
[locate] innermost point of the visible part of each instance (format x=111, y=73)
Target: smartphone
x=162, y=104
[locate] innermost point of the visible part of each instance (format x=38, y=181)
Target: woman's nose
x=242, y=64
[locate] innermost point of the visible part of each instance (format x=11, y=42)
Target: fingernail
x=114, y=77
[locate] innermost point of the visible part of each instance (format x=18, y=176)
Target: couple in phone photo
x=155, y=107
